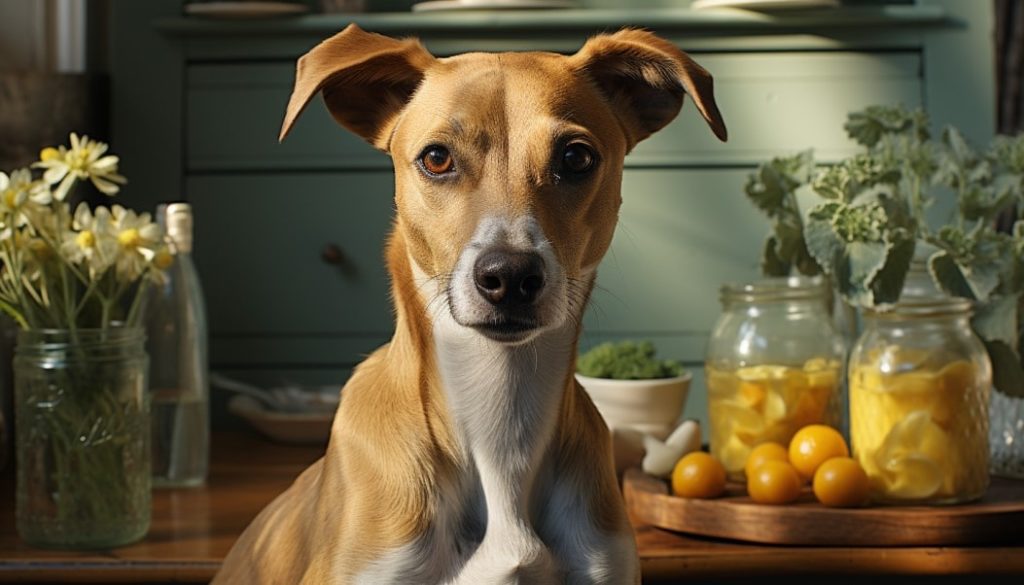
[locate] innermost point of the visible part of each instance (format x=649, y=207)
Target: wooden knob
x=332, y=254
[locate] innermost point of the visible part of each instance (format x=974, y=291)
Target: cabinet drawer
x=234, y=115
x=681, y=235
x=776, y=103
x=772, y=103
x=259, y=240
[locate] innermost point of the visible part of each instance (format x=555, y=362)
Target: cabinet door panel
x=681, y=235
x=259, y=241
x=235, y=114
x=784, y=102
x=235, y=111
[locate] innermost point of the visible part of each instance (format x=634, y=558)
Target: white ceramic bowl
x=650, y=406
x=632, y=408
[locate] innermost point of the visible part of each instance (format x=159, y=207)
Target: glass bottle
x=774, y=364
x=919, y=393
x=179, y=377
x=83, y=452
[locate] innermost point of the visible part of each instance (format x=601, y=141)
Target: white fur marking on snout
x=520, y=234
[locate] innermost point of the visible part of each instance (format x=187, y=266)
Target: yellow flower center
x=48, y=153
x=129, y=238
x=86, y=239
x=163, y=260
x=10, y=199
x=79, y=160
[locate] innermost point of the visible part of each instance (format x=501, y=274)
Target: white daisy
x=138, y=239
x=20, y=195
x=90, y=240
x=84, y=160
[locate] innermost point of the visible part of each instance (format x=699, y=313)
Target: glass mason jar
x=1006, y=435
x=919, y=391
x=83, y=442
x=774, y=364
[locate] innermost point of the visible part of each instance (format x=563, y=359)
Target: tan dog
x=464, y=451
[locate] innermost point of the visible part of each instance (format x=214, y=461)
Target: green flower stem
x=136, y=306
x=89, y=292
x=56, y=248
x=86, y=429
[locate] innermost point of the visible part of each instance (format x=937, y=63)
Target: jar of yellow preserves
x=774, y=364
x=919, y=390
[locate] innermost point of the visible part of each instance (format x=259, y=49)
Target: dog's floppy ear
x=366, y=79
x=645, y=78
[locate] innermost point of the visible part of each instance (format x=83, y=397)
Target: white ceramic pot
x=632, y=408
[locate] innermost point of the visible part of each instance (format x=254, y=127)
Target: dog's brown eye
x=578, y=158
x=436, y=160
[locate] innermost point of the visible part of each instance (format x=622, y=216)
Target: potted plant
x=866, y=222
x=632, y=388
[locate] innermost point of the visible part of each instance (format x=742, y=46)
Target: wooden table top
x=192, y=530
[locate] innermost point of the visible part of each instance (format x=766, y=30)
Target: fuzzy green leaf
x=977, y=260
x=947, y=275
x=983, y=203
x=957, y=146
x=765, y=190
x=868, y=126
x=1007, y=374
x=832, y=183
x=822, y=242
x=769, y=186
x=856, y=268
x=888, y=283
x=1007, y=153
x=996, y=319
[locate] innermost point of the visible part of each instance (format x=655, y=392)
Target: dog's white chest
x=505, y=403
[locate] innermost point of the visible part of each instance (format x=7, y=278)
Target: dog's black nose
x=506, y=277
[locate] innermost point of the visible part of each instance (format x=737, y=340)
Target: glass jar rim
x=774, y=289
x=50, y=339
x=923, y=307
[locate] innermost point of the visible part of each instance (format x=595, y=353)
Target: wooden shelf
x=663, y=20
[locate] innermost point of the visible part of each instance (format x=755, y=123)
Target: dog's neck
x=503, y=400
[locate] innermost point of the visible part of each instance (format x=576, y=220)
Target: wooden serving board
x=997, y=518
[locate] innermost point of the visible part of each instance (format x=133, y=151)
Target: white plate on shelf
x=283, y=427
x=244, y=9
x=434, y=5
x=764, y=4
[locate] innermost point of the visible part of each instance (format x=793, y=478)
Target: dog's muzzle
x=510, y=281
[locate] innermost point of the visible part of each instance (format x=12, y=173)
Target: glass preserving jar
x=774, y=365
x=919, y=393
x=83, y=444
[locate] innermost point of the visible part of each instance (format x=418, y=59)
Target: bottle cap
x=177, y=221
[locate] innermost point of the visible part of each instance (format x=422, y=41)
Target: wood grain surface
x=997, y=518
x=193, y=529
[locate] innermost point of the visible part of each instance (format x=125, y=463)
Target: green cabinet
x=267, y=274
x=234, y=114
x=265, y=212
